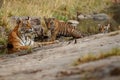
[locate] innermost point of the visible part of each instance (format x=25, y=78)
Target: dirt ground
x=54, y=62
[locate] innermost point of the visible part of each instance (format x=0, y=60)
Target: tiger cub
x=21, y=38
x=104, y=28
x=40, y=29
x=58, y=28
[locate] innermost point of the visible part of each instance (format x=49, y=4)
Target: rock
x=100, y=17
x=73, y=22
x=88, y=16
x=85, y=16
x=81, y=16
x=95, y=16
x=34, y=20
x=55, y=62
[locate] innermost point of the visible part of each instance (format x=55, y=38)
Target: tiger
x=58, y=28
x=39, y=29
x=20, y=38
x=36, y=25
x=104, y=28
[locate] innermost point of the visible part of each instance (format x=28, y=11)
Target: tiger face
x=24, y=26
x=104, y=28
x=50, y=22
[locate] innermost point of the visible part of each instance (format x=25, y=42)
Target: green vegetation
x=91, y=57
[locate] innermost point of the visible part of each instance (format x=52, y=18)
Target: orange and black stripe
x=61, y=29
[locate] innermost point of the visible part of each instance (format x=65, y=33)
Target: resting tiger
x=58, y=28
x=104, y=28
x=21, y=37
x=39, y=29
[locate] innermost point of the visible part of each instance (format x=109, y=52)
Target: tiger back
x=58, y=28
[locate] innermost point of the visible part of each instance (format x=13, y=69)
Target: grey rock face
x=100, y=17
x=73, y=22
x=95, y=16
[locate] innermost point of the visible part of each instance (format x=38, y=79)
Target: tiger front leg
x=53, y=36
x=19, y=48
x=24, y=47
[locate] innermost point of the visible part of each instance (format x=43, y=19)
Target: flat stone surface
x=54, y=62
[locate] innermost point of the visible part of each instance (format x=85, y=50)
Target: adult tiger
x=21, y=37
x=58, y=28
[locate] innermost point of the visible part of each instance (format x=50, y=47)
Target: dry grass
x=50, y=7
x=3, y=41
x=61, y=9
x=91, y=57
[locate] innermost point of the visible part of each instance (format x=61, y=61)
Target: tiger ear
x=18, y=21
x=28, y=19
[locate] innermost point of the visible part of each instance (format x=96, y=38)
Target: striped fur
x=58, y=28
x=21, y=37
x=40, y=30
x=104, y=28
x=40, y=34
